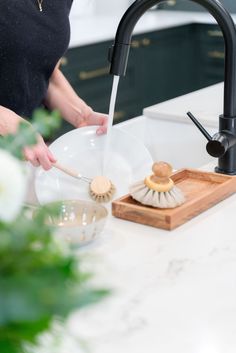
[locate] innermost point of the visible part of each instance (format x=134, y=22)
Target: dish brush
x=101, y=188
x=158, y=190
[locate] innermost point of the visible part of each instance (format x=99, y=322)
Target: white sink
x=178, y=143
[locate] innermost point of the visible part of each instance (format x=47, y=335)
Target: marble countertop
x=206, y=104
x=172, y=291
x=97, y=28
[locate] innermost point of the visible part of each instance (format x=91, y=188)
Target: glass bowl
x=78, y=222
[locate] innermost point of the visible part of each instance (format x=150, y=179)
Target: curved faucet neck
x=223, y=18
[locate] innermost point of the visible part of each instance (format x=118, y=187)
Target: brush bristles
x=170, y=199
x=104, y=197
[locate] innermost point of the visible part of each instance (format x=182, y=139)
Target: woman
x=34, y=34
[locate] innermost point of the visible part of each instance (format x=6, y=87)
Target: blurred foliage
x=43, y=122
x=40, y=280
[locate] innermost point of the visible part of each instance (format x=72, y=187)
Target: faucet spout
x=227, y=121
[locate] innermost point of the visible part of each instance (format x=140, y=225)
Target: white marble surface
x=178, y=142
x=206, y=104
x=97, y=28
x=173, y=291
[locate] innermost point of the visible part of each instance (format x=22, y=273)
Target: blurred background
x=176, y=48
x=83, y=7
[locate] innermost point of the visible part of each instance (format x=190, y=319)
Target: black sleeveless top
x=31, y=43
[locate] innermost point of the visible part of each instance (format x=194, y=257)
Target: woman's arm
x=61, y=96
x=38, y=154
x=9, y=121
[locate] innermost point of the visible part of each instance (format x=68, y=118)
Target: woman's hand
x=39, y=155
x=94, y=118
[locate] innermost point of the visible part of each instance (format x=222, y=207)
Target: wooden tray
x=201, y=189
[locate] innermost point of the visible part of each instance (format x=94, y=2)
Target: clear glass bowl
x=78, y=222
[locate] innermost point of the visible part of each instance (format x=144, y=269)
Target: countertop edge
x=151, y=21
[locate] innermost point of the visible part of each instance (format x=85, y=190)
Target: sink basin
x=176, y=142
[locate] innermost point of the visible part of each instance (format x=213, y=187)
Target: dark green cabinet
x=188, y=5
x=87, y=70
x=162, y=65
x=210, y=43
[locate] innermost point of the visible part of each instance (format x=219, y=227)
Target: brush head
x=101, y=189
x=158, y=189
x=167, y=199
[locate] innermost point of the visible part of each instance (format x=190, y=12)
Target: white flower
x=12, y=186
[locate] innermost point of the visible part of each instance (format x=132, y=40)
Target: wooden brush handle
x=162, y=172
x=66, y=170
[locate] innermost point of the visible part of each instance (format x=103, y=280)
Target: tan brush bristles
x=101, y=189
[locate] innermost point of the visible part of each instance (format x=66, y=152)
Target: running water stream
x=110, y=123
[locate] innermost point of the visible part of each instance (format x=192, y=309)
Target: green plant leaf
x=45, y=123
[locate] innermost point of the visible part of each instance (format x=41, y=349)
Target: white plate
x=82, y=149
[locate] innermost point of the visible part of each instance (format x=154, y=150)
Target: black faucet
x=223, y=143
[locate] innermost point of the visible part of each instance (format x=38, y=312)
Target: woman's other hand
x=39, y=155
x=94, y=118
